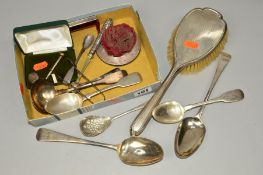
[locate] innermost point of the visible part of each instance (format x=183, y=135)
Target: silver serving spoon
x=173, y=112
x=71, y=101
x=136, y=151
x=93, y=125
x=43, y=90
x=191, y=131
x=88, y=40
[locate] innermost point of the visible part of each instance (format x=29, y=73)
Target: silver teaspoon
x=173, y=112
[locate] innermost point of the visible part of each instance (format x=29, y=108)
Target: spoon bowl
x=41, y=92
x=94, y=125
x=173, y=112
x=91, y=125
x=168, y=112
x=189, y=136
x=139, y=151
x=136, y=151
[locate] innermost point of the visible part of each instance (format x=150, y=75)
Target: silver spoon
x=191, y=131
x=71, y=101
x=136, y=151
x=88, y=40
x=173, y=112
x=93, y=125
x=43, y=90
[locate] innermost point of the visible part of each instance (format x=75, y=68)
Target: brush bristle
x=170, y=48
x=200, y=65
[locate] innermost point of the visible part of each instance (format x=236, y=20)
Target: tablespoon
x=71, y=101
x=136, y=151
x=94, y=125
x=173, y=112
x=191, y=131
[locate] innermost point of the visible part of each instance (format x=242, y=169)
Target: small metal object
x=122, y=60
x=70, y=101
x=53, y=67
x=33, y=77
x=208, y=23
x=54, y=78
x=136, y=151
x=96, y=44
x=69, y=74
x=92, y=125
x=73, y=23
x=173, y=112
x=86, y=43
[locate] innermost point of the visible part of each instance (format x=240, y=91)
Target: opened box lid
x=44, y=38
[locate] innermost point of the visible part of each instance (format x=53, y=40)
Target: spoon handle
x=47, y=135
x=88, y=96
x=129, y=111
x=79, y=55
x=224, y=59
x=227, y=97
x=143, y=118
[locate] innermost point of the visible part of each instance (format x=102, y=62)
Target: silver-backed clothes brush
x=199, y=37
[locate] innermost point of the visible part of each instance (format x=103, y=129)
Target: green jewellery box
x=42, y=45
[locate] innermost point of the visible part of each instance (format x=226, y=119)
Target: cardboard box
x=145, y=64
